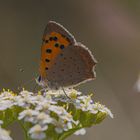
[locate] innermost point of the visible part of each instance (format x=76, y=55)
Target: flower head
x=51, y=111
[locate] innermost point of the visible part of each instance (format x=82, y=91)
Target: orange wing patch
x=53, y=45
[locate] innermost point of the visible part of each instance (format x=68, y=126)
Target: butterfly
x=64, y=61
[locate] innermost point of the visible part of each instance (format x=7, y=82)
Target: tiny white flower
x=6, y=95
x=26, y=93
x=46, y=99
x=49, y=99
x=62, y=125
x=4, y=135
x=59, y=126
x=94, y=111
x=59, y=130
x=80, y=132
x=44, y=105
x=67, y=126
x=57, y=109
x=60, y=92
x=102, y=108
x=25, y=100
x=55, y=93
x=84, y=103
x=44, y=118
x=72, y=92
x=1, y=122
x=5, y=104
x=20, y=101
x=85, y=100
x=28, y=115
x=37, y=132
x=108, y=112
x=39, y=98
x=66, y=116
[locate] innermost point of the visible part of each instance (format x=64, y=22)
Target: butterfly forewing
x=56, y=27
x=55, y=39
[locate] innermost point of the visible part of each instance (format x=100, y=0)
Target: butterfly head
x=41, y=82
x=46, y=84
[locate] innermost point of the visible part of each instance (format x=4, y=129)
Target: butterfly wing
x=64, y=62
x=52, y=26
x=73, y=66
x=55, y=39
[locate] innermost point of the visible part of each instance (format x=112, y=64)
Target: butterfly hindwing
x=71, y=67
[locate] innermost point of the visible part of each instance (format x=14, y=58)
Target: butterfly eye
x=39, y=79
x=46, y=68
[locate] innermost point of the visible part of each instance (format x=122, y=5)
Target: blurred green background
x=110, y=29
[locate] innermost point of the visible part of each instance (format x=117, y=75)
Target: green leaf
x=100, y=117
x=51, y=132
x=7, y=117
x=64, y=135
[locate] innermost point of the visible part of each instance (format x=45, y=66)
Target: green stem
x=26, y=135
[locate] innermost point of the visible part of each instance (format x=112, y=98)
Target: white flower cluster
x=39, y=110
x=85, y=103
x=4, y=134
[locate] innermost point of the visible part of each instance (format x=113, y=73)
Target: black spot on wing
x=46, y=41
x=48, y=50
x=62, y=46
x=55, y=38
x=47, y=60
x=51, y=38
x=56, y=45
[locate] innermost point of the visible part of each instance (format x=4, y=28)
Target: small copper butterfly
x=64, y=61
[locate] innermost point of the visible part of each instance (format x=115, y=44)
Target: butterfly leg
x=65, y=93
